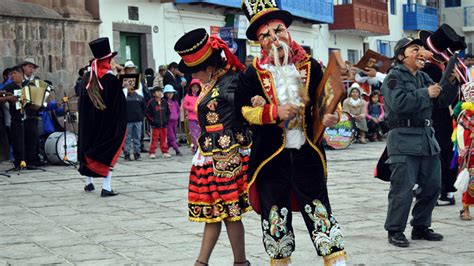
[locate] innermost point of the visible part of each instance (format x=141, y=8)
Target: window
x=393, y=7
x=452, y=3
x=384, y=48
x=352, y=56
x=133, y=13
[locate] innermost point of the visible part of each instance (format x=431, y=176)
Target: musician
x=102, y=119
x=410, y=96
x=4, y=139
x=29, y=67
x=28, y=128
x=276, y=96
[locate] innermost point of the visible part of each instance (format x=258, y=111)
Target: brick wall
x=60, y=47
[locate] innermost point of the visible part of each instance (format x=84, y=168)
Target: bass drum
x=54, y=148
x=342, y=134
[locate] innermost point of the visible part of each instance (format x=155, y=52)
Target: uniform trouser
x=406, y=172
x=298, y=174
x=132, y=141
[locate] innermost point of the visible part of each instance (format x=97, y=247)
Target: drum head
x=342, y=134
x=55, y=150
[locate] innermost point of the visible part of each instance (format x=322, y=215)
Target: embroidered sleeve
x=260, y=115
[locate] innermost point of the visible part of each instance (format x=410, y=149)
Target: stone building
x=53, y=32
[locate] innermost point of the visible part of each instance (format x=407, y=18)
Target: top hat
x=440, y=40
x=29, y=61
x=260, y=11
x=460, y=45
x=101, y=48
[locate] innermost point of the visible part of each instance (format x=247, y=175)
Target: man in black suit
x=173, y=78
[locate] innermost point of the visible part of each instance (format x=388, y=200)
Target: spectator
x=78, y=85
x=158, y=82
x=375, y=117
x=135, y=113
x=355, y=106
x=249, y=60
x=189, y=105
x=149, y=77
x=158, y=114
x=469, y=62
x=172, y=77
x=174, y=118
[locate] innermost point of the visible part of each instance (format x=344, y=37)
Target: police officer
x=410, y=96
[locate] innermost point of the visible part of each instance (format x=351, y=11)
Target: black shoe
x=398, y=239
x=127, y=157
x=445, y=201
x=89, y=188
x=426, y=233
x=106, y=193
x=137, y=156
x=143, y=150
x=178, y=153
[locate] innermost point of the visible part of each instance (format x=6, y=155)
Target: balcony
x=223, y=3
x=316, y=11
x=361, y=18
x=419, y=17
x=468, y=19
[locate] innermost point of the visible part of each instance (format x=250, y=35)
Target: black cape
x=101, y=132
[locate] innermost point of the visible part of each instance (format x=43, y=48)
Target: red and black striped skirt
x=218, y=187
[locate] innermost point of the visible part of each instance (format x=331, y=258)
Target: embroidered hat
x=260, y=11
x=196, y=48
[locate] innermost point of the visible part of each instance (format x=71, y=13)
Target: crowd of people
x=250, y=128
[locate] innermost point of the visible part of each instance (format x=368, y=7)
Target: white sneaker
x=152, y=156
x=166, y=155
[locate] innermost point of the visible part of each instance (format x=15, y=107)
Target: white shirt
x=287, y=82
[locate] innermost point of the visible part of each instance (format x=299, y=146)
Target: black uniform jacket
x=406, y=97
x=101, y=132
x=268, y=136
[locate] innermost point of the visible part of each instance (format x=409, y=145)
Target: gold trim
x=274, y=262
x=202, y=59
x=272, y=82
x=334, y=257
x=323, y=161
x=195, y=46
x=253, y=114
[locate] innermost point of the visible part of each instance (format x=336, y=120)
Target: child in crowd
x=135, y=112
x=173, y=105
x=375, y=117
x=189, y=104
x=158, y=114
x=355, y=106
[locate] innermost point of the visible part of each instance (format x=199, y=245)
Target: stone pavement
x=46, y=218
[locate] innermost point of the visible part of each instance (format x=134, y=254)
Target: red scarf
x=296, y=54
x=99, y=67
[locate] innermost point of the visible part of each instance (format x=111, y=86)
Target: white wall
x=171, y=23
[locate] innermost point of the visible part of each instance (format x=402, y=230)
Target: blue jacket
x=48, y=125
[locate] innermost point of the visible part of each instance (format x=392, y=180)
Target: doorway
x=130, y=49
